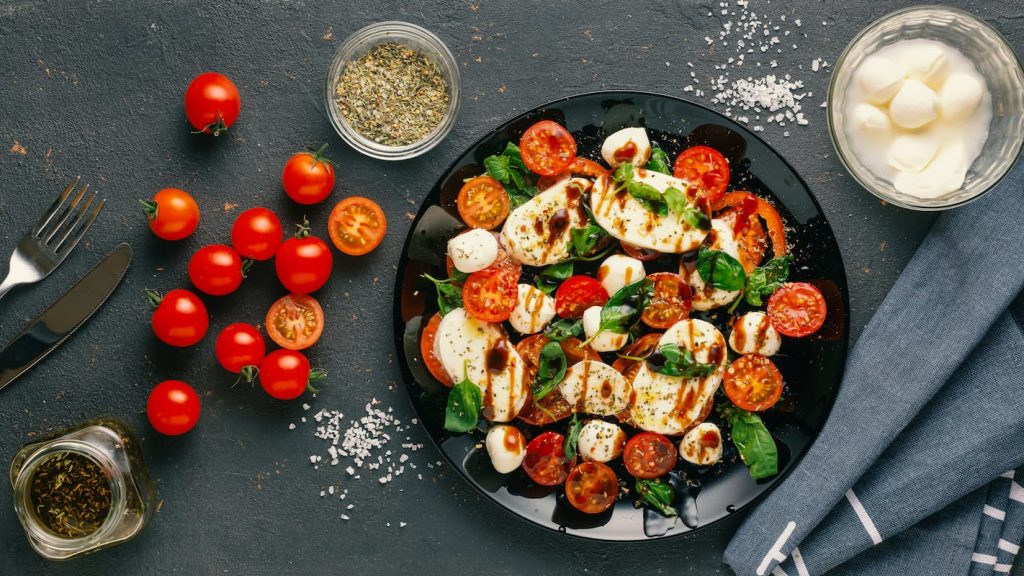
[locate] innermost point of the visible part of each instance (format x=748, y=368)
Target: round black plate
x=812, y=366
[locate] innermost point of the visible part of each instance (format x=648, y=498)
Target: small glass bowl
x=417, y=38
x=995, y=60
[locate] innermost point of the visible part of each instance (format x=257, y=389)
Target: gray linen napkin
x=954, y=293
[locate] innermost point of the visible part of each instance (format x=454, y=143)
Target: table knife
x=51, y=328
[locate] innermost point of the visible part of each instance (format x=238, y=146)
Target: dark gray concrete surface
x=95, y=88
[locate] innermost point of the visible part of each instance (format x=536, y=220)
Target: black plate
x=812, y=366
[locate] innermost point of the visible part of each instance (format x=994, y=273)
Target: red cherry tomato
x=430, y=360
x=547, y=148
x=483, y=203
x=491, y=294
x=577, y=294
x=797, y=309
x=704, y=168
x=553, y=406
x=295, y=321
x=308, y=177
x=216, y=270
x=592, y=487
x=257, y=234
x=212, y=103
x=545, y=462
x=764, y=209
x=649, y=455
x=670, y=301
x=285, y=374
x=180, y=318
x=240, y=346
x=753, y=383
x=357, y=225
x=304, y=263
x=173, y=407
x=173, y=214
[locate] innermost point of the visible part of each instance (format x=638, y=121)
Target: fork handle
x=6, y=286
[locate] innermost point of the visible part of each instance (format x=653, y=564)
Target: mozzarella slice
x=673, y=404
x=468, y=347
x=618, y=271
x=625, y=218
x=600, y=441
x=629, y=145
x=752, y=333
x=702, y=445
x=473, y=250
x=595, y=388
x=534, y=310
x=705, y=296
x=606, y=340
x=506, y=446
x=538, y=232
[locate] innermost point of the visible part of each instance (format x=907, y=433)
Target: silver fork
x=52, y=237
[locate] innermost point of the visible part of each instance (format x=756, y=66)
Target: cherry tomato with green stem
x=216, y=270
x=308, y=177
x=179, y=317
x=173, y=214
x=173, y=407
x=285, y=374
x=240, y=350
x=303, y=263
x=212, y=103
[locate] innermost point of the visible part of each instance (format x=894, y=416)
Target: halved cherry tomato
x=483, y=203
x=431, y=361
x=240, y=346
x=767, y=212
x=303, y=263
x=180, y=318
x=552, y=407
x=592, y=487
x=173, y=214
x=547, y=148
x=644, y=254
x=797, y=309
x=357, y=225
x=173, y=407
x=577, y=294
x=753, y=383
x=705, y=168
x=545, y=462
x=641, y=348
x=257, y=234
x=216, y=270
x=587, y=167
x=308, y=176
x=212, y=103
x=295, y=321
x=649, y=455
x=490, y=295
x=670, y=301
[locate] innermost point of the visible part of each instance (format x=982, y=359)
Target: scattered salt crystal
x=291, y=426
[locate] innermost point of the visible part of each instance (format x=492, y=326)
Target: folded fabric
x=962, y=278
x=985, y=555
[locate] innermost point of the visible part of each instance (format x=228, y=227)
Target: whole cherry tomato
x=212, y=103
x=308, y=177
x=216, y=270
x=173, y=407
x=304, y=262
x=173, y=214
x=180, y=318
x=240, y=349
x=285, y=374
x=257, y=234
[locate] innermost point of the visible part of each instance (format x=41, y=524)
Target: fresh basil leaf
x=658, y=494
x=564, y=328
x=648, y=196
x=548, y=279
x=464, y=404
x=755, y=444
x=550, y=370
x=458, y=277
x=676, y=200
x=515, y=157
x=584, y=240
x=658, y=161
x=632, y=294
x=519, y=196
x=572, y=437
x=622, y=310
x=623, y=173
x=449, y=296
x=764, y=280
x=673, y=360
x=721, y=270
x=498, y=168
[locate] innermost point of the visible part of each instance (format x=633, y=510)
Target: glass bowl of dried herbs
x=393, y=90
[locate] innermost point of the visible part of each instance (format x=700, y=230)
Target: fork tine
x=72, y=210
x=68, y=224
x=48, y=216
x=78, y=230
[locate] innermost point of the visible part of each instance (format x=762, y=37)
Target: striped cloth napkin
x=910, y=473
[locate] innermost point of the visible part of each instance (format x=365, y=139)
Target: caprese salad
x=576, y=318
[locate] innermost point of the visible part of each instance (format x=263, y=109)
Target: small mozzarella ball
x=619, y=270
x=606, y=341
x=926, y=63
x=880, y=78
x=702, y=445
x=534, y=310
x=870, y=119
x=914, y=106
x=944, y=175
x=912, y=152
x=473, y=250
x=629, y=145
x=506, y=446
x=600, y=441
x=960, y=96
x=752, y=333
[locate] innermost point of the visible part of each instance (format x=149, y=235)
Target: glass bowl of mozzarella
x=926, y=108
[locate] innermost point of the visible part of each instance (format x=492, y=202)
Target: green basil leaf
x=676, y=200
x=721, y=270
x=764, y=280
x=673, y=360
x=648, y=196
x=564, y=328
x=515, y=158
x=623, y=173
x=550, y=370
x=572, y=437
x=658, y=161
x=658, y=494
x=464, y=404
x=755, y=444
x=458, y=277
x=548, y=279
x=584, y=240
x=519, y=196
x=449, y=296
x=622, y=310
x=498, y=168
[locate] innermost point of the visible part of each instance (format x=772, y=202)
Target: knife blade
x=51, y=328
